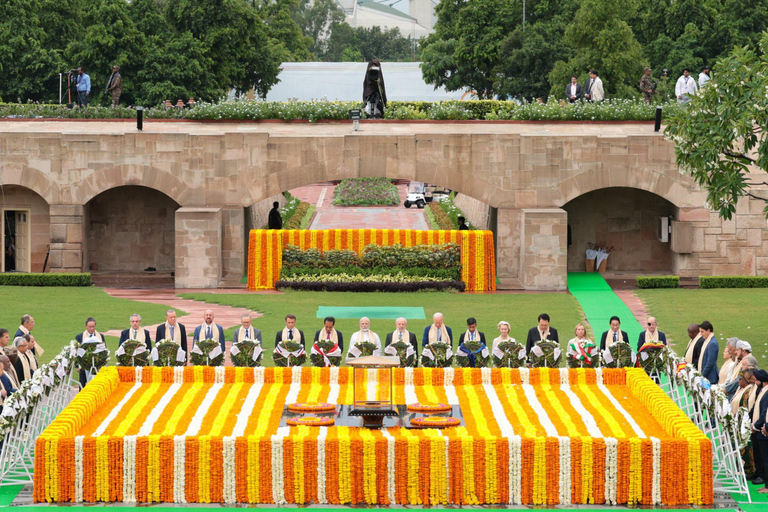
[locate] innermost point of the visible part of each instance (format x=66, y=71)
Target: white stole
x=176, y=333
x=241, y=334
x=204, y=332
x=296, y=335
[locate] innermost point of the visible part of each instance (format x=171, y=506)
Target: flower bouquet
x=652, y=357
x=619, y=355
x=437, y=355
x=365, y=348
x=207, y=353
x=168, y=353
x=246, y=353
x=326, y=355
x=92, y=354
x=583, y=354
x=545, y=354
x=404, y=351
x=473, y=348
x=132, y=353
x=289, y=353
x=509, y=354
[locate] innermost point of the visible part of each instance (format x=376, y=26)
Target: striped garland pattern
x=265, y=250
x=532, y=437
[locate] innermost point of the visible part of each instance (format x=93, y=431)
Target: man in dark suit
x=615, y=333
x=27, y=324
x=290, y=332
x=90, y=332
x=172, y=330
x=711, y=352
x=652, y=334
x=541, y=332
x=329, y=332
x=437, y=329
x=471, y=334
x=401, y=333
x=573, y=90
x=760, y=431
x=246, y=330
x=135, y=333
x=209, y=330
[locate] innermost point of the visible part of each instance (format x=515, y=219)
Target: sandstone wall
x=23, y=199
x=476, y=212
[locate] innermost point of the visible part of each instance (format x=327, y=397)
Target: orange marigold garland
x=429, y=407
x=310, y=421
x=312, y=407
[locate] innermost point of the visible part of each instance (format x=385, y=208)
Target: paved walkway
x=328, y=216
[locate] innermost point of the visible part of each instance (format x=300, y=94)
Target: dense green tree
x=601, y=39
x=720, y=135
x=342, y=36
x=387, y=45
x=318, y=19
x=290, y=44
x=465, y=49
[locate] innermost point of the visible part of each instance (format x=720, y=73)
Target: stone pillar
x=544, y=252
x=508, y=223
x=198, y=247
x=67, y=235
x=233, y=244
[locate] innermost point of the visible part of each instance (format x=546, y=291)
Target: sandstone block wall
x=544, y=256
x=477, y=212
x=198, y=247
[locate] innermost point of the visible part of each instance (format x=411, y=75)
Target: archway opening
x=131, y=229
x=25, y=230
x=624, y=218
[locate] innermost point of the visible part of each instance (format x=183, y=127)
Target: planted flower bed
x=366, y=192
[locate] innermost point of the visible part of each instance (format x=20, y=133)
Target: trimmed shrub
x=419, y=256
x=83, y=279
x=441, y=217
x=316, y=286
x=733, y=281
x=657, y=282
x=301, y=217
x=293, y=273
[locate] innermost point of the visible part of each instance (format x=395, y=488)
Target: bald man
x=652, y=334
x=172, y=330
x=209, y=330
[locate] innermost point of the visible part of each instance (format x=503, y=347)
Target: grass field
x=60, y=313
x=520, y=310
x=733, y=312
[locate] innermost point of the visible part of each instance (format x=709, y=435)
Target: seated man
x=9, y=370
x=289, y=332
x=136, y=333
x=471, y=335
x=401, y=333
x=5, y=340
x=246, y=330
x=362, y=336
x=613, y=335
x=209, y=330
x=329, y=333
x=172, y=330
x=651, y=335
x=438, y=331
x=541, y=332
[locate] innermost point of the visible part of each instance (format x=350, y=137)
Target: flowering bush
x=440, y=216
x=366, y=192
x=389, y=286
x=445, y=256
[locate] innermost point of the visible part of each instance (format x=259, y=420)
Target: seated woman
x=26, y=363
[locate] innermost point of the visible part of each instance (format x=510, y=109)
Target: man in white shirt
x=704, y=76
x=573, y=90
x=594, y=91
x=686, y=87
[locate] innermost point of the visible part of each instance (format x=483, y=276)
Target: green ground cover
x=733, y=312
x=520, y=310
x=60, y=313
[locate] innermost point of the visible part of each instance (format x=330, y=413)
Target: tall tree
x=720, y=137
x=317, y=20
x=290, y=44
x=465, y=48
x=602, y=40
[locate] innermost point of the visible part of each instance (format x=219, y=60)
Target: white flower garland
x=179, y=473
x=525, y=376
x=447, y=467
x=149, y=422
x=228, y=456
x=515, y=470
x=618, y=406
x=247, y=410
x=202, y=410
x=116, y=410
x=333, y=382
x=450, y=389
x=373, y=384
x=129, y=469
x=656, y=487
x=565, y=470
x=611, y=469
x=507, y=430
x=321, y=478
x=138, y=374
x=178, y=375
x=485, y=374
x=258, y=375
x=79, y=469
x=218, y=375
x=296, y=375
x=278, y=476
x=599, y=375
x=565, y=379
x=408, y=389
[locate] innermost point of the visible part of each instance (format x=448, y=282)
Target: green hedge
x=300, y=217
x=447, y=274
x=733, y=281
x=45, y=279
x=241, y=110
x=446, y=256
x=657, y=281
x=366, y=192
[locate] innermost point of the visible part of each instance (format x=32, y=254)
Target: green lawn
x=520, y=310
x=733, y=312
x=60, y=313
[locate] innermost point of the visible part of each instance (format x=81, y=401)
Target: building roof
x=384, y=8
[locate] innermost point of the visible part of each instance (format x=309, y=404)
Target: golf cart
x=415, y=196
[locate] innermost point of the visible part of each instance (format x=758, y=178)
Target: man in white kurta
x=363, y=335
x=686, y=87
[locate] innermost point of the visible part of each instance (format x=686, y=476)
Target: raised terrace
x=183, y=188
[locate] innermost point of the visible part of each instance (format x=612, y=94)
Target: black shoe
x=758, y=481
x=150, y=269
x=751, y=476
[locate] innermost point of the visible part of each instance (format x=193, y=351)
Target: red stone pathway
x=226, y=316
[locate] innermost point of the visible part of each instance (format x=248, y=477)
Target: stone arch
x=20, y=200
x=157, y=179
x=36, y=181
x=677, y=188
